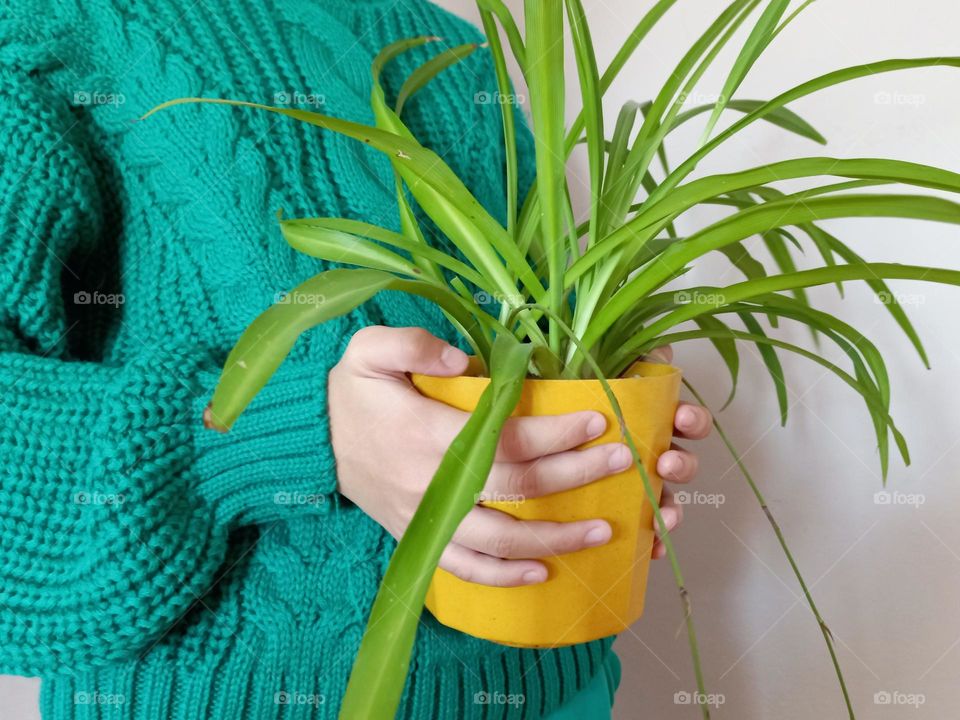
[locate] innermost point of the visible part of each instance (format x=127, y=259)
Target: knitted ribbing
x=148, y=568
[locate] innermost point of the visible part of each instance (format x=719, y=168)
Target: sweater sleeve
x=115, y=504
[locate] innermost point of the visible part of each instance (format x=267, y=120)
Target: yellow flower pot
x=591, y=593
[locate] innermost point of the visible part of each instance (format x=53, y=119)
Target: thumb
x=382, y=350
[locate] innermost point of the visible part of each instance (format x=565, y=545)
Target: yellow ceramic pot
x=595, y=592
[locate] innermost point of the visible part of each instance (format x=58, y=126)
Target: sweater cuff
x=277, y=460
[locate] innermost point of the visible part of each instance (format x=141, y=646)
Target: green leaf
x=777, y=247
x=268, y=340
x=756, y=43
x=511, y=167
x=820, y=83
x=761, y=219
x=768, y=354
x=378, y=100
x=727, y=349
x=793, y=16
x=619, y=144
x=866, y=392
x=620, y=195
x=868, y=363
x=740, y=258
x=882, y=291
x=426, y=72
x=509, y=25
x=781, y=117
x=812, y=231
x=656, y=212
x=388, y=119
x=344, y=248
x=589, y=297
x=592, y=108
x=545, y=65
x=314, y=235
x=626, y=51
x=380, y=669
x=720, y=297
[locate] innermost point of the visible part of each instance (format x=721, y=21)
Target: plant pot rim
x=640, y=370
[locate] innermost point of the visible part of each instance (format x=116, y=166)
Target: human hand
x=388, y=441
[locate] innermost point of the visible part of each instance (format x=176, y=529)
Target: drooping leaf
x=781, y=117
x=727, y=349
x=380, y=669
x=768, y=354
x=268, y=340
x=426, y=72
x=656, y=212
x=319, y=236
x=505, y=17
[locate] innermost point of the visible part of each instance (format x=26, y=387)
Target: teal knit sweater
x=148, y=568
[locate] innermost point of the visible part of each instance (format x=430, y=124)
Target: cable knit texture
x=150, y=569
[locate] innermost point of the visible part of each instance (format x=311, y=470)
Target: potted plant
x=579, y=304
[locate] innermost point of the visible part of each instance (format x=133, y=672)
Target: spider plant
x=584, y=298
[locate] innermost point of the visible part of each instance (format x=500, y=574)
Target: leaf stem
x=824, y=629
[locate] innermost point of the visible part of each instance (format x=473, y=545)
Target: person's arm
x=115, y=503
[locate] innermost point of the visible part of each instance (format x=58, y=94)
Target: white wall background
x=887, y=577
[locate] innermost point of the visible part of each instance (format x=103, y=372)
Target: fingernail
x=688, y=418
x=619, y=459
x=453, y=358
x=675, y=464
x=534, y=576
x=597, y=536
x=669, y=518
x=596, y=426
